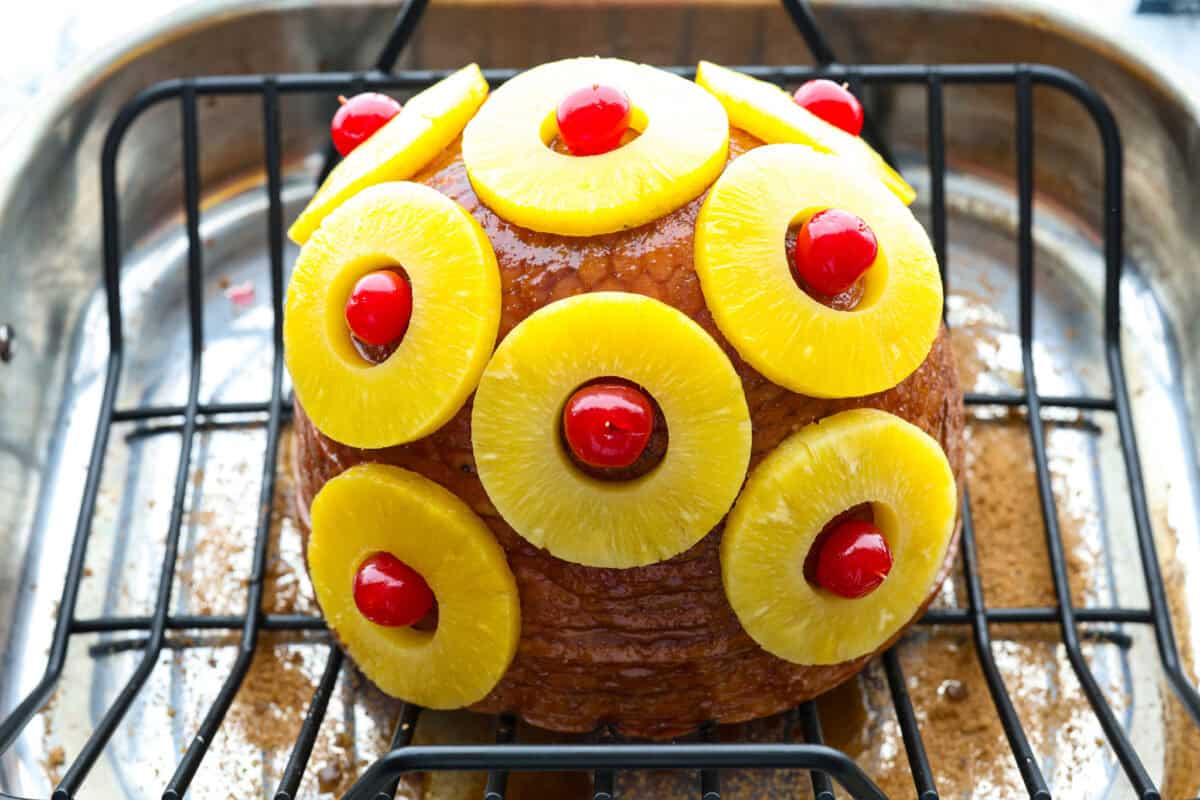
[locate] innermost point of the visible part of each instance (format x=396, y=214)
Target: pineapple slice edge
x=456, y=315
x=428, y=123
x=785, y=334
x=844, y=460
x=479, y=613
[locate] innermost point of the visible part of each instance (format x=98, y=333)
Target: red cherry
x=608, y=424
x=593, y=119
x=359, y=117
x=380, y=307
x=854, y=559
x=389, y=592
x=833, y=249
x=833, y=103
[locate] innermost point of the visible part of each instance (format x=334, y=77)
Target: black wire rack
x=602, y=757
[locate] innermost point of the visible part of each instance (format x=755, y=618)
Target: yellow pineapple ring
x=428, y=123
x=455, y=318
x=764, y=110
x=375, y=508
x=854, y=457
x=531, y=480
x=682, y=147
x=775, y=325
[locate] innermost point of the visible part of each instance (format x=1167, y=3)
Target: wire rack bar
x=304, y=622
x=936, y=158
x=1164, y=632
x=270, y=622
x=584, y=757
x=1082, y=402
x=293, y=773
x=333, y=83
x=810, y=31
x=497, y=779
x=190, y=762
x=402, y=30
x=12, y=725
x=918, y=761
x=965, y=616
x=710, y=779
x=1134, y=769
x=810, y=726
x=604, y=780
x=402, y=736
x=603, y=784
x=1114, y=254
x=1018, y=742
x=203, y=409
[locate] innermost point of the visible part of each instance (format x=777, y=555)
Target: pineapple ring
x=527, y=472
x=859, y=456
x=372, y=508
x=455, y=317
x=774, y=324
x=429, y=122
x=764, y=110
x=681, y=149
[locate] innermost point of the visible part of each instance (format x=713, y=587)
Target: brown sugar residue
x=55, y=758
x=270, y=706
x=1014, y=561
x=1182, y=768
x=213, y=577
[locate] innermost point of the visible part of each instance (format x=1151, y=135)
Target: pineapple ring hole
x=862, y=295
x=648, y=461
x=376, y=354
x=548, y=132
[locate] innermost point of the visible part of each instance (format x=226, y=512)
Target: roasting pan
x=1050, y=159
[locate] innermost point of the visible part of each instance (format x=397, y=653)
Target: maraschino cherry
x=608, y=424
x=593, y=119
x=389, y=592
x=380, y=307
x=359, y=117
x=833, y=249
x=854, y=559
x=833, y=103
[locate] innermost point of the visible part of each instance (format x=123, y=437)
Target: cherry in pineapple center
x=613, y=429
x=852, y=559
x=390, y=593
x=380, y=308
x=593, y=119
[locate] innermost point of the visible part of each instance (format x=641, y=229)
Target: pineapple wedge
x=374, y=508
x=764, y=110
x=854, y=457
x=429, y=122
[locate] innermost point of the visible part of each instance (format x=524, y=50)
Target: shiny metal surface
x=49, y=274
